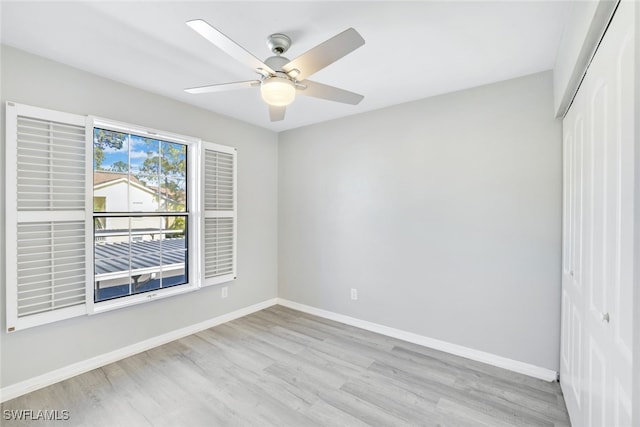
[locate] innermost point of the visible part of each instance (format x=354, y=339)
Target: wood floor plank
x=264, y=332
x=343, y=368
x=281, y=367
x=410, y=408
x=463, y=363
x=287, y=320
x=520, y=401
x=431, y=389
x=470, y=378
x=347, y=355
x=466, y=415
x=368, y=413
x=385, y=357
x=330, y=416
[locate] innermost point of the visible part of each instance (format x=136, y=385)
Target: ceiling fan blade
x=324, y=54
x=276, y=113
x=223, y=87
x=319, y=90
x=228, y=46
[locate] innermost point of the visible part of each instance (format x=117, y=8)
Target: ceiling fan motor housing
x=276, y=63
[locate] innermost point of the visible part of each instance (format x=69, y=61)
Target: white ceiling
x=413, y=49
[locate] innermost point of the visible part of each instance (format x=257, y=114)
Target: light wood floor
x=282, y=367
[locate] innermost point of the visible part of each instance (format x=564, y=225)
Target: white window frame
x=194, y=204
x=196, y=208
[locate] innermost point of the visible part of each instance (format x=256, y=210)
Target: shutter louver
x=218, y=247
x=46, y=218
x=51, y=266
x=51, y=166
x=219, y=257
x=218, y=193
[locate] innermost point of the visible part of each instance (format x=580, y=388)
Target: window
x=102, y=215
x=141, y=215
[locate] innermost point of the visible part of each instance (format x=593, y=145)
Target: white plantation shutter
x=219, y=229
x=46, y=224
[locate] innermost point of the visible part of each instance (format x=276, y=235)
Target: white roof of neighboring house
x=104, y=179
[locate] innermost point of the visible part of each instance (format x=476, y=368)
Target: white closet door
x=573, y=293
x=596, y=355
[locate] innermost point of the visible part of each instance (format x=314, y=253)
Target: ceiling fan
x=280, y=79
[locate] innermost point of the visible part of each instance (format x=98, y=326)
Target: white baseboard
x=14, y=390
x=458, y=350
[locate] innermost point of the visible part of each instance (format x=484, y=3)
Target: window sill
x=104, y=306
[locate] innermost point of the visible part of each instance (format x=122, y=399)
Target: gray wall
x=36, y=81
x=444, y=213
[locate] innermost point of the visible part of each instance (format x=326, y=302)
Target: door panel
x=571, y=349
x=622, y=405
x=598, y=121
x=566, y=327
x=576, y=356
x=596, y=404
x=622, y=292
x=577, y=208
x=598, y=248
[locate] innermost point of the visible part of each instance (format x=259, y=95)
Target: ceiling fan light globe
x=278, y=91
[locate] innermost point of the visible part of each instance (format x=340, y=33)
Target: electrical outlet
x=354, y=294
x=224, y=292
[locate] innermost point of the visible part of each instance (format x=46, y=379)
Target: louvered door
x=46, y=225
x=219, y=229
